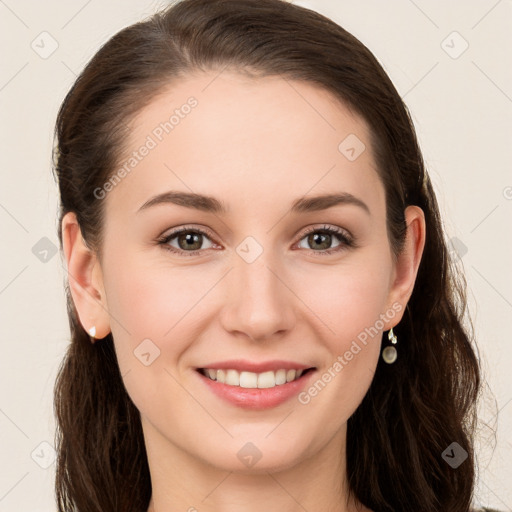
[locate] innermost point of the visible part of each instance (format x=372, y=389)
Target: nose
x=259, y=302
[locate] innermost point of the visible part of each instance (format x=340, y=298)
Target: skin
x=256, y=145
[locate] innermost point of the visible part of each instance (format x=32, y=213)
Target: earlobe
x=408, y=261
x=85, y=279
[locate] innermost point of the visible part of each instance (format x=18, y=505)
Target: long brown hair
x=414, y=408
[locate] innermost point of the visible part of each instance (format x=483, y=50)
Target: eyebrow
x=212, y=205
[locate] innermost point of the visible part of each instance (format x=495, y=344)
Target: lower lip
x=257, y=399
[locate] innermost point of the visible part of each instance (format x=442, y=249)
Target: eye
x=323, y=238
x=189, y=240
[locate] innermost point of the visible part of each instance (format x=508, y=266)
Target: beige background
x=461, y=102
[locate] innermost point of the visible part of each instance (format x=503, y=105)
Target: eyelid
x=330, y=228
x=179, y=230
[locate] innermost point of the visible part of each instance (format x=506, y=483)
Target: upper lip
x=242, y=365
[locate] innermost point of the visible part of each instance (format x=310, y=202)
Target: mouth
x=253, y=380
x=255, y=390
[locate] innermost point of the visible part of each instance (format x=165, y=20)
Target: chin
x=257, y=456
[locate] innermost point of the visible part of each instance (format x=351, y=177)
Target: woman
x=220, y=359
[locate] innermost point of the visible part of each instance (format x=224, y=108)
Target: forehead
x=244, y=140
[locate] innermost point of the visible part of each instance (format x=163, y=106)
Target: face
x=256, y=281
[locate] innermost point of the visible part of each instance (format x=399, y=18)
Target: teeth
x=252, y=380
x=247, y=380
x=266, y=380
x=232, y=378
x=280, y=377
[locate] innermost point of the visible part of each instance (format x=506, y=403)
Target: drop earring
x=389, y=354
x=92, y=333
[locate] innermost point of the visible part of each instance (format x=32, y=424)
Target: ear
x=407, y=263
x=85, y=279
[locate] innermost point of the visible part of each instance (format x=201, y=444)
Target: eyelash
x=346, y=240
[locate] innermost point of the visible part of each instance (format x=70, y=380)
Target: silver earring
x=92, y=333
x=389, y=354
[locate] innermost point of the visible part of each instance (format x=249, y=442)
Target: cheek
x=347, y=299
x=350, y=302
x=149, y=299
x=149, y=306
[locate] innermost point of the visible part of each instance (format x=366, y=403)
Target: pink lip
x=257, y=399
x=243, y=365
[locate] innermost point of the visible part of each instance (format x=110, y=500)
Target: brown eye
x=186, y=241
x=189, y=240
x=320, y=240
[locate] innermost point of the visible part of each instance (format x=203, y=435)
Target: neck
x=182, y=482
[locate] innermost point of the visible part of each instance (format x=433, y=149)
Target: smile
x=251, y=380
